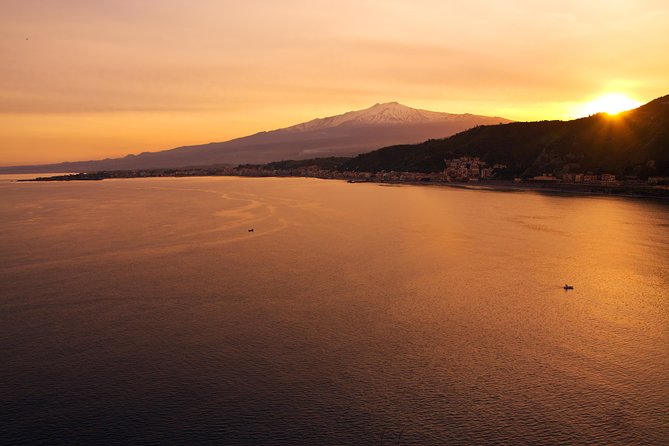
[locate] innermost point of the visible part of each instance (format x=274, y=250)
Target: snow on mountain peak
x=387, y=113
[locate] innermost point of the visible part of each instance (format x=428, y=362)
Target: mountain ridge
x=347, y=134
x=384, y=114
x=631, y=143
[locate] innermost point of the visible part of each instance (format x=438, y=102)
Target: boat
x=568, y=287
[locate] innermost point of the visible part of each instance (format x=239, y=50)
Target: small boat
x=568, y=287
x=251, y=230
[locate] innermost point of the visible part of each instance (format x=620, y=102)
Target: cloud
x=279, y=62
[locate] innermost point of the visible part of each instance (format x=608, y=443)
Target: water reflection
x=351, y=314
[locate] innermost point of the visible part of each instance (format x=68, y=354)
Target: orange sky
x=85, y=79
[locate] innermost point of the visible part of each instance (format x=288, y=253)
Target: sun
x=612, y=103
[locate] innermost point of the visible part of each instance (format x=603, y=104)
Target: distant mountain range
x=632, y=143
x=348, y=134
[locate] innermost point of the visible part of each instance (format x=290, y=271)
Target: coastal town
x=463, y=171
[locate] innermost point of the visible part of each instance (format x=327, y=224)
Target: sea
x=297, y=311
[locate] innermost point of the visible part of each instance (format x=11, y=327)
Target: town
x=464, y=171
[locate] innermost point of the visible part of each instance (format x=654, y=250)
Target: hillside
x=347, y=134
x=635, y=142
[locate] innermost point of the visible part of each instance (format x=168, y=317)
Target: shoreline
x=638, y=190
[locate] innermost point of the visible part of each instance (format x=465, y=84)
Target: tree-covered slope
x=635, y=142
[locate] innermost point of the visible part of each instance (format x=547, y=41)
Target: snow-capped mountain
x=348, y=134
x=389, y=113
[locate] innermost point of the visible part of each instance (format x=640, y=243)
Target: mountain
x=343, y=135
x=634, y=143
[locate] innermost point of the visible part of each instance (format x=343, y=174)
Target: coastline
x=636, y=190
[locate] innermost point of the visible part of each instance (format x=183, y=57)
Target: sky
x=90, y=79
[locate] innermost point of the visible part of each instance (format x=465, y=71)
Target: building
x=569, y=178
x=658, y=180
x=545, y=178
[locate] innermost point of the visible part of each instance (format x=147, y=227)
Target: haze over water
x=144, y=311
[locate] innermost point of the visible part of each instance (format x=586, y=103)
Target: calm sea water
x=144, y=312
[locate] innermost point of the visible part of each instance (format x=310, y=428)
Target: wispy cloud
x=268, y=60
